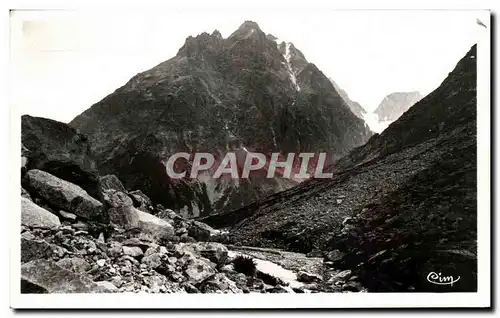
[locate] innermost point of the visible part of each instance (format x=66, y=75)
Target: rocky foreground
x=137, y=248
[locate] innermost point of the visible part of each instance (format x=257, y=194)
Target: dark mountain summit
x=399, y=208
x=246, y=92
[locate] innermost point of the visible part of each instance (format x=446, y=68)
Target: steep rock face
x=398, y=208
x=243, y=93
x=60, y=150
x=395, y=104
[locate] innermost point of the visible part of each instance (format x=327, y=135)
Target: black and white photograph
x=225, y=157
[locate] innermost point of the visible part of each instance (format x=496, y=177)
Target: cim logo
x=439, y=279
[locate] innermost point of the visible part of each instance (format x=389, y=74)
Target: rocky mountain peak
x=249, y=25
x=248, y=29
x=194, y=46
x=395, y=104
x=217, y=34
x=245, y=88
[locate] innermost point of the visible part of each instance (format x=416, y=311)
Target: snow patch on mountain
x=288, y=58
x=288, y=61
x=371, y=119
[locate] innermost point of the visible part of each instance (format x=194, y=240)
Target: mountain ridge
x=389, y=201
x=218, y=95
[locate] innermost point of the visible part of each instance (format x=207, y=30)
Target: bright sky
x=63, y=62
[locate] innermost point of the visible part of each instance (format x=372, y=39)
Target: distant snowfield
x=375, y=125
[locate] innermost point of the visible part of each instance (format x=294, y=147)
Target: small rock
x=340, y=276
x=107, y=287
x=153, y=249
x=200, y=231
x=347, y=220
x=67, y=230
x=176, y=277
x=91, y=247
x=306, y=277
x=74, y=264
x=33, y=215
x=134, y=241
x=280, y=290
x=101, y=262
x=116, y=250
x=352, y=286
x=100, y=239
x=181, y=231
x=140, y=200
x=133, y=251
x=111, y=182
x=153, y=260
x=220, y=283
x=228, y=268
x=215, y=252
x=168, y=214
x=80, y=226
x=44, y=276
x=199, y=269
x=28, y=236
x=334, y=256
x=67, y=216
x=117, y=281
x=187, y=239
x=190, y=289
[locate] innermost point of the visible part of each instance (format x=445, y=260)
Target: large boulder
x=156, y=227
x=197, y=269
x=37, y=217
x=32, y=249
x=215, y=252
x=111, y=182
x=122, y=213
x=43, y=276
x=62, y=194
x=220, y=283
x=200, y=231
x=74, y=264
x=141, y=201
x=120, y=209
x=59, y=149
